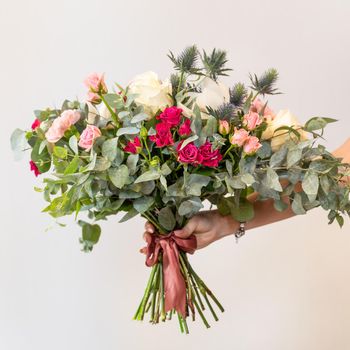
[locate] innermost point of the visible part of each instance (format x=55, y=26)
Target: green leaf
x=297, y=205
x=119, y=176
x=278, y=158
x=318, y=123
x=265, y=151
x=142, y=204
x=248, y=179
x=131, y=163
x=129, y=215
x=43, y=159
x=196, y=125
x=90, y=235
x=139, y=118
x=195, y=183
x=115, y=101
x=72, y=166
x=109, y=149
x=60, y=152
x=310, y=185
x=102, y=164
x=211, y=126
x=148, y=176
x=167, y=219
x=188, y=140
x=190, y=207
x=280, y=206
x=130, y=130
x=294, y=155
x=18, y=143
x=271, y=180
x=73, y=144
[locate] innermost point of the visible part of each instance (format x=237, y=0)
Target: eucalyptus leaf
x=143, y=204
x=129, y=130
x=139, y=118
x=109, y=149
x=148, y=176
x=167, y=219
x=119, y=176
x=310, y=185
x=73, y=144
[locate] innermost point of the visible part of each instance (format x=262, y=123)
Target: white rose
x=283, y=118
x=213, y=94
x=152, y=93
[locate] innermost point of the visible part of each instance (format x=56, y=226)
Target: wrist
x=228, y=225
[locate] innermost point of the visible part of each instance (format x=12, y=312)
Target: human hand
x=207, y=226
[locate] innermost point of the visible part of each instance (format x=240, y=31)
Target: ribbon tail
x=174, y=283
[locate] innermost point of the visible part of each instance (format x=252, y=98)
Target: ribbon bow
x=174, y=283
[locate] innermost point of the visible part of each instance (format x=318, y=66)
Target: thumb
x=188, y=229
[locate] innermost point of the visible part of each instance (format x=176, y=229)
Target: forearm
x=265, y=213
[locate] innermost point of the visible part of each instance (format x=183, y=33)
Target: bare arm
x=209, y=226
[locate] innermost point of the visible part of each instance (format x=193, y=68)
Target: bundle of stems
x=198, y=296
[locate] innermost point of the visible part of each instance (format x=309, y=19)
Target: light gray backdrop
x=284, y=287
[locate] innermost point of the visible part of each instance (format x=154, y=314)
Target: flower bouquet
x=159, y=149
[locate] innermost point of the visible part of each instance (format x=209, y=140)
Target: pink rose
x=163, y=135
x=36, y=124
x=208, y=156
x=252, y=120
x=34, y=168
x=189, y=154
x=96, y=83
x=171, y=115
x=92, y=97
x=185, y=128
x=224, y=127
x=251, y=145
x=88, y=137
x=258, y=105
x=61, y=124
x=133, y=146
x=239, y=137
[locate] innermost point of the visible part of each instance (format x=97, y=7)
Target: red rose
x=189, y=154
x=171, y=115
x=185, y=128
x=209, y=157
x=34, y=168
x=133, y=146
x=163, y=135
x=36, y=124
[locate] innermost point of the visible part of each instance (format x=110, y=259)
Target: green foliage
x=238, y=94
x=265, y=84
x=214, y=63
x=186, y=61
x=90, y=235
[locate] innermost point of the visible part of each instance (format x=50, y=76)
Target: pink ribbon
x=174, y=283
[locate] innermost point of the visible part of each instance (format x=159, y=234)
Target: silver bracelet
x=241, y=231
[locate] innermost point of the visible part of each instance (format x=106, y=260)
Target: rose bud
x=224, y=127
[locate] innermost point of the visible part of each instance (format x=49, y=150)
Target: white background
x=284, y=287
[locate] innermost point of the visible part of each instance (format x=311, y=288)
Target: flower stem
x=114, y=116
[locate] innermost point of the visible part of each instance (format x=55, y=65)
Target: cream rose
x=283, y=118
x=152, y=93
x=213, y=94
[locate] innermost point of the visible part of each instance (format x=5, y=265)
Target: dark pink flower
x=185, y=128
x=163, y=135
x=189, y=154
x=36, y=124
x=34, y=168
x=209, y=156
x=133, y=146
x=171, y=115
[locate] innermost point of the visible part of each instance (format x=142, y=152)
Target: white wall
x=284, y=287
